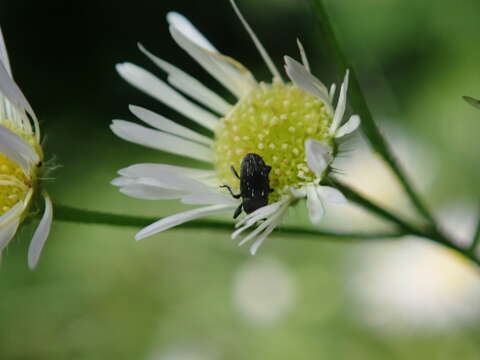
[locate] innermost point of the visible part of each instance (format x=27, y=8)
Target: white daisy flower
x=414, y=286
x=274, y=288
x=293, y=127
x=21, y=162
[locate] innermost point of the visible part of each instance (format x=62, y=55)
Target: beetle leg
x=270, y=190
x=236, y=196
x=238, y=211
x=234, y=172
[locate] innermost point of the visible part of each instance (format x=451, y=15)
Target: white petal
x=12, y=92
x=17, y=149
x=268, y=61
x=209, y=198
x=341, y=105
x=7, y=234
x=169, y=179
x=122, y=181
x=157, y=140
x=331, y=195
x=314, y=205
x=255, y=232
x=265, y=228
x=317, y=155
x=41, y=234
x=303, y=55
x=184, y=25
x=350, y=126
x=238, y=80
x=259, y=214
x=180, y=218
x=331, y=93
x=189, y=85
x=10, y=151
x=298, y=193
x=157, y=170
x=259, y=240
x=306, y=81
x=147, y=191
x=161, y=123
x=153, y=86
x=4, y=55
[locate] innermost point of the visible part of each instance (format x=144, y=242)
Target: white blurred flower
x=21, y=163
x=263, y=291
x=183, y=352
x=413, y=285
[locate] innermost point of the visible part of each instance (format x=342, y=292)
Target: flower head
x=21, y=162
x=292, y=126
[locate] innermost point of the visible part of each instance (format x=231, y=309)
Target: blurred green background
x=185, y=294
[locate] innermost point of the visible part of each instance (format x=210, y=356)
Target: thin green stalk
x=476, y=236
x=71, y=214
x=359, y=104
x=82, y=216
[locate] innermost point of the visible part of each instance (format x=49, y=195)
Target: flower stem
x=359, y=103
x=476, y=236
x=82, y=216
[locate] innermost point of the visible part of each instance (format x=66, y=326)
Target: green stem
x=476, y=236
x=75, y=215
x=82, y=216
x=359, y=103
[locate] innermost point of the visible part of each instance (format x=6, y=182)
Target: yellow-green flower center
x=14, y=183
x=273, y=121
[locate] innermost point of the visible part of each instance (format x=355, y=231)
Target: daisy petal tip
x=115, y=127
x=120, y=66
x=134, y=108
x=172, y=17
x=139, y=236
x=349, y=127
x=41, y=234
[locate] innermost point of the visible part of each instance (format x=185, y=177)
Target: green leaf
x=472, y=101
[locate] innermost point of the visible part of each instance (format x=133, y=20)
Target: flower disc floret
x=273, y=121
x=14, y=182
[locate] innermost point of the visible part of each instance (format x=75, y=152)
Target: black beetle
x=254, y=184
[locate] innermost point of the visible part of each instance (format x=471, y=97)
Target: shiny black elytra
x=254, y=184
